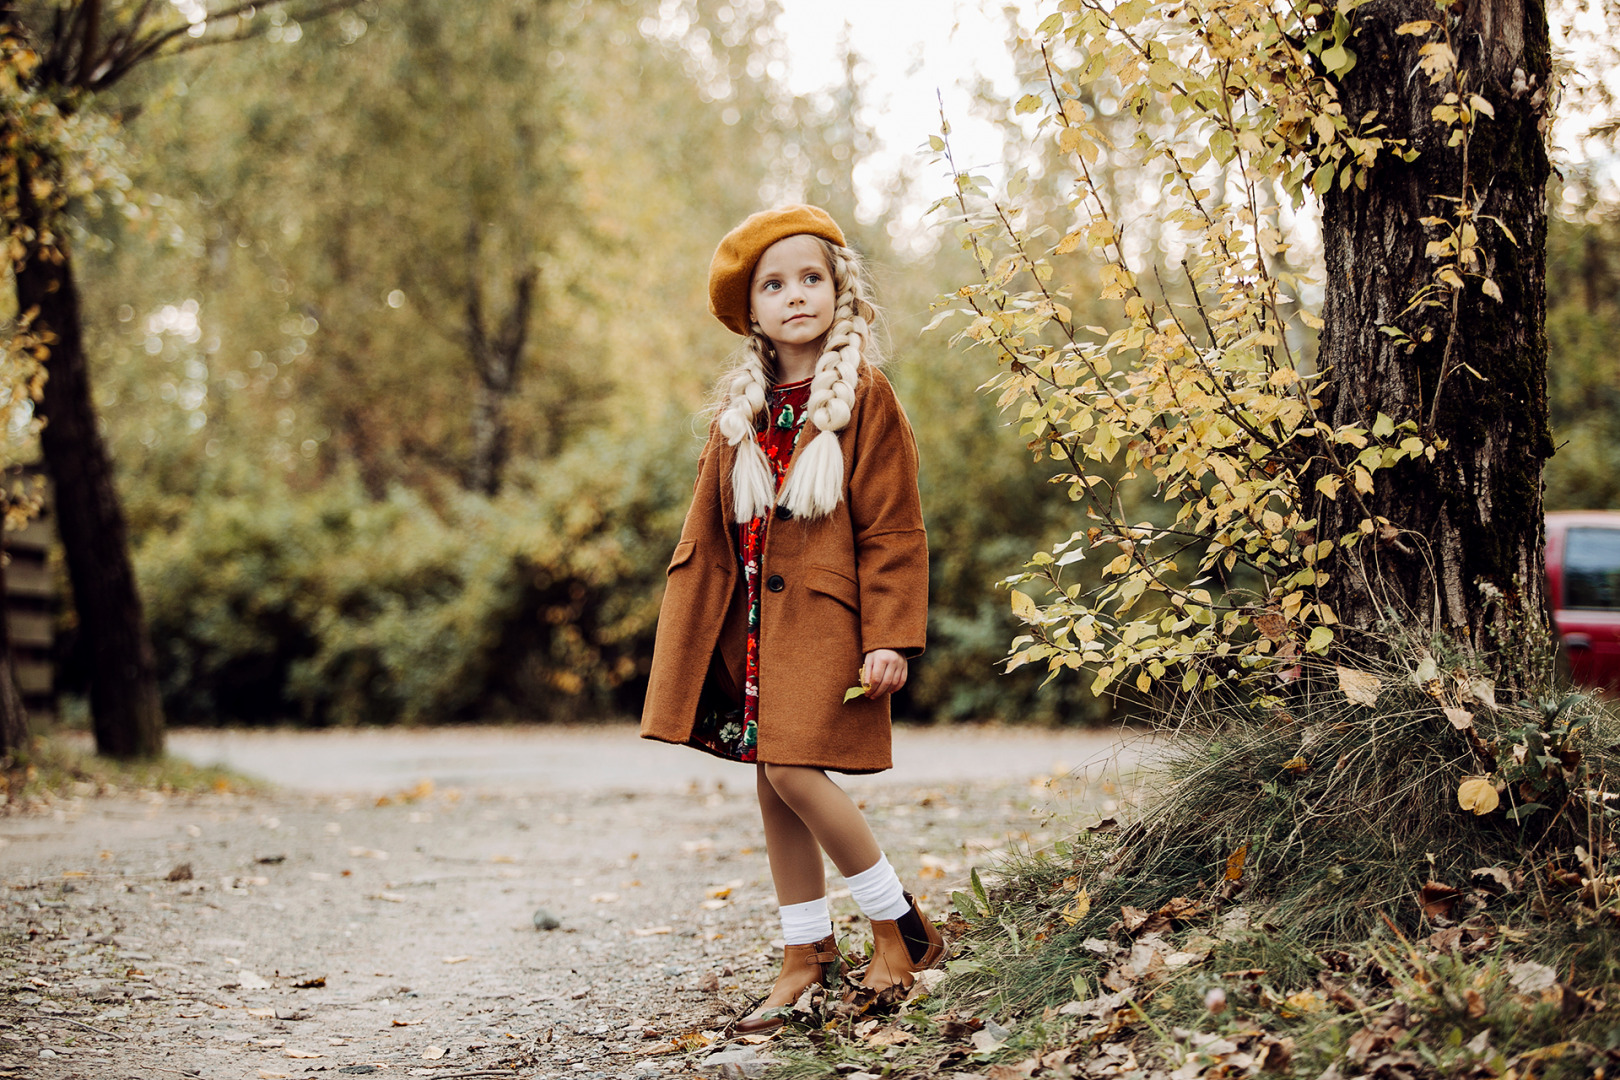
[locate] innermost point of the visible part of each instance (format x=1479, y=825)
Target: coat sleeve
x=891, y=548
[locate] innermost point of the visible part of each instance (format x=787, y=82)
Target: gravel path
x=386, y=925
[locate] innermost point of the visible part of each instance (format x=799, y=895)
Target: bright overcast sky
x=915, y=51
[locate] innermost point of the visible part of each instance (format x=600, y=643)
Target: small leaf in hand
x=853, y=692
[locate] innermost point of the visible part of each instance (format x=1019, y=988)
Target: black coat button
x=783, y=514
x=775, y=583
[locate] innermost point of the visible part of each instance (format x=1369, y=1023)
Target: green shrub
x=329, y=606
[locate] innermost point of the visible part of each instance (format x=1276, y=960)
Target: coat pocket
x=831, y=583
x=683, y=553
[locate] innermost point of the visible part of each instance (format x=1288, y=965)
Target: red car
x=1583, y=588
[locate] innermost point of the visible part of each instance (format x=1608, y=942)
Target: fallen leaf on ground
x=1438, y=899
x=1361, y=687
x=311, y=984
x=456, y=959
x=1078, y=908
x=403, y=1023
x=1530, y=977
x=1484, y=692
x=1296, y=765
x=433, y=1053
x=1477, y=794
x=1306, y=1001
x=1461, y=719
x=889, y=1036
x=261, y=1014
x=925, y=983
x=309, y=1054
x=1235, y=861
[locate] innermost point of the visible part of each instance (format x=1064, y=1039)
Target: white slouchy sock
x=806, y=923
x=878, y=892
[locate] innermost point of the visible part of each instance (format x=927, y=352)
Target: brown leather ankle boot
x=900, y=948
x=802, y=967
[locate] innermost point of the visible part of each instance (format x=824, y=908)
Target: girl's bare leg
x=821, y=812
x=794, y=855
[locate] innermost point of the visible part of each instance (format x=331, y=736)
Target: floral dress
x=724, y=727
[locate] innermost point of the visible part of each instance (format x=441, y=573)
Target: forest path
x=378, y=918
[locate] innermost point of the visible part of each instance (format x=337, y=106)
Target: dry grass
x=63, y=765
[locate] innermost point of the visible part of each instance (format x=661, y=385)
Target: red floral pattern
x=728, y=730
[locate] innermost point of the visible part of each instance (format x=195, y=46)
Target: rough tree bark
x=13, y=716
x=497, y=355
x=1462, y=552
x=125, y=707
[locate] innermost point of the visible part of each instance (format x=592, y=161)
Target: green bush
x=332, y=607
x=326, y=605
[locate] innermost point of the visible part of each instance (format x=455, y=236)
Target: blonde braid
x=816, y=482
x=753, y=483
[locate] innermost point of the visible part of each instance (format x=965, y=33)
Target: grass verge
x=1382, y=873
x=62, y=765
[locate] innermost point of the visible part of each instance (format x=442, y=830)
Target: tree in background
x=84, y=47
x=1583, y=322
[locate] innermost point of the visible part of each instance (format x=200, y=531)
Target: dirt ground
x=324, y=932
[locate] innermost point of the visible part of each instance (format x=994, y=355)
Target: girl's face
x=792, y=295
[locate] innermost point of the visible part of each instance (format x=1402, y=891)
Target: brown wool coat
x=851, y=582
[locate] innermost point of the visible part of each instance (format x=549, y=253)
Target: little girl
x=802, y=569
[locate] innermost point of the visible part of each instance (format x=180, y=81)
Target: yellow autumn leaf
x=1306, y=1001
x=853, y=692
x=1477, y=794
x=1078, y=908
x=1024, y=608
x=1361, y=687
x=1234, y=864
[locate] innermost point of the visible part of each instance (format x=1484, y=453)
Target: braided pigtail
x=816, y=482
x=753, y=484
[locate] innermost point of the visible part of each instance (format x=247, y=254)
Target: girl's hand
x=884, y=672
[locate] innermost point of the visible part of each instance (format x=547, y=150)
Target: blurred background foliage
x=401, y=348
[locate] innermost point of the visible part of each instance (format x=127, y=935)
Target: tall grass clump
x=1384, y=832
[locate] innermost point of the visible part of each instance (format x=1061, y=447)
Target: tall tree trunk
x=13, y=716
x=1462, y=551
x=125, y=709
x=497, y=355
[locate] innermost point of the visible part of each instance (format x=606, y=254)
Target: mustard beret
x=731, y=274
